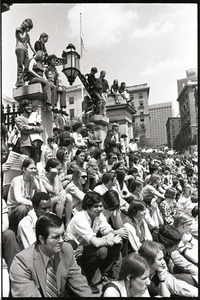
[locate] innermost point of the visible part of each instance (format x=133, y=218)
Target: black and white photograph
x=99, y=150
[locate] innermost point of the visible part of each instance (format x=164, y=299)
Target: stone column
x=102, y=124
x=34, y=93
x=122, y=114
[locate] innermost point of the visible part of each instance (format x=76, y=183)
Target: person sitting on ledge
x=123, y=92
x=21, y=50
x=53, y=77
x=115, y=91
x=40, y=44
x=36, y=75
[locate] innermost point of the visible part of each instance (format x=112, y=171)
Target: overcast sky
x=135, y=43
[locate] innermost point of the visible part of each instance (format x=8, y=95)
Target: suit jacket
x=28, y=276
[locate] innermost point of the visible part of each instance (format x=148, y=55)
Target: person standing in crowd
x=93, y=141
x=133, y=145
x=78, y=138
x=117, y=147
x=22, y=123
x=49, y=263
x=21, y=49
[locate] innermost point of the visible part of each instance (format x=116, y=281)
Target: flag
x=81, y=35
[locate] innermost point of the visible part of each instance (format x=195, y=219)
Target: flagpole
x=81, y=51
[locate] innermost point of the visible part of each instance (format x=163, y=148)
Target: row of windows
x=159, y=108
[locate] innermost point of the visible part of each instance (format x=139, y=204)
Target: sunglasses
x=83, y=176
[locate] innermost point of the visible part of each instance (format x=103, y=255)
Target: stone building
x=173, y=127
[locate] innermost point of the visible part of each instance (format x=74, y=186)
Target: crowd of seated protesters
x=114, y=212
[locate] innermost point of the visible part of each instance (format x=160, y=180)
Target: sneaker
x=55, y=110
x=94, y=288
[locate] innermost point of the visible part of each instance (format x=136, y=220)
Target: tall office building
x=159, y=114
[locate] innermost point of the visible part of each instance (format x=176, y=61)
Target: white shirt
x=80, y=227
x=26, y=229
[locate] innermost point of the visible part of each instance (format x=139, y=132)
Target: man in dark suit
x=29, y=269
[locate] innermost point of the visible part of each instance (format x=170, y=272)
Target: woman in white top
x=21, y=191
x=133, y=279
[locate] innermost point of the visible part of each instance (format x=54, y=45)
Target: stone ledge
x=99, y=119
x=29, y=92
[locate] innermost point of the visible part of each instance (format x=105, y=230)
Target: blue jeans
x=22, y=64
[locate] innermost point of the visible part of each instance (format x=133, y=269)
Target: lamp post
x=71, y=64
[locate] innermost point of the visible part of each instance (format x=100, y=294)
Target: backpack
x=110, y=284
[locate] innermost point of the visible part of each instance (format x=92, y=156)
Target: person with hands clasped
x=21, y=190
x=61, y=201
x=101, y=243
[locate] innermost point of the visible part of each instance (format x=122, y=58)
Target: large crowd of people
x=109, y=209
x=86, y=216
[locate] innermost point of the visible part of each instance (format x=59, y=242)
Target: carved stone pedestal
x=102, y=126
x=34, y=93
x=121, y=113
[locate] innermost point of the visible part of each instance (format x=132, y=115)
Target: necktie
x=51, y=284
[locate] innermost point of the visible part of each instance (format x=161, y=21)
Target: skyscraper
x=159, y=114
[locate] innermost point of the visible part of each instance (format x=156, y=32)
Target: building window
x=71, y=100
x=140, y=96
x=141, y=103
x=71, y=114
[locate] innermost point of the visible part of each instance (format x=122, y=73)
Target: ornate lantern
x=71, y=63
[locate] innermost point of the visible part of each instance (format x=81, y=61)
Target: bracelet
x=161, y=280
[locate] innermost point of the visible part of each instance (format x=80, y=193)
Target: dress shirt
x=80, y=227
